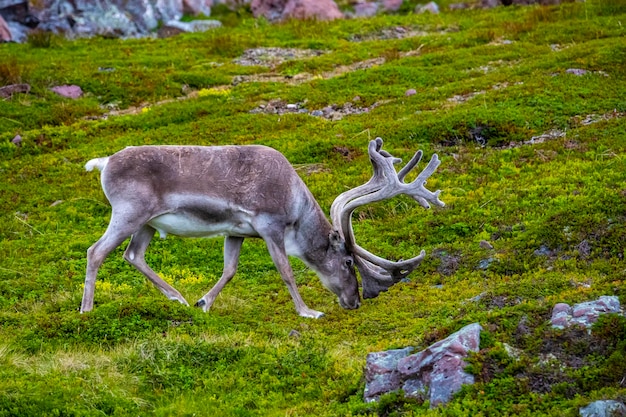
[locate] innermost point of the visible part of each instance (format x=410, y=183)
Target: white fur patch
x=189, y=226
x=98, y=163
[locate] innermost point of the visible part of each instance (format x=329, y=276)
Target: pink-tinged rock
x=17, y=141
x=5, y=32
x=365, y=9
x=68, y=91
x=447, y=378
x=435, y=373
x=381, y=374
x=410, y=92
x=311, y=9
x=272, y=10
x=584, y=314
x=392, y=5
x=458, y=344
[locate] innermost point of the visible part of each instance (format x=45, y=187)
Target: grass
x=486, y=81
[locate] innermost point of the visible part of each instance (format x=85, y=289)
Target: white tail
x=98, y=163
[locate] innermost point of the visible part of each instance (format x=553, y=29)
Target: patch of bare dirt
x=332, y=112
x=271, y=57
x=399, y=32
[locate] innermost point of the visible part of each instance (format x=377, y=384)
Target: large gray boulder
x=435, y=374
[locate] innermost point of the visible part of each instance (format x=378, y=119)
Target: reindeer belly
x=190, y=225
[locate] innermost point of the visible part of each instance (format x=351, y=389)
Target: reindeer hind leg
x=135, y=255
x=96, y=254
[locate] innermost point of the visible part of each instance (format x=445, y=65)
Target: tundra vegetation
x=533, y=164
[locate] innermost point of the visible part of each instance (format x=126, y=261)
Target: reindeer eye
x=349, y=263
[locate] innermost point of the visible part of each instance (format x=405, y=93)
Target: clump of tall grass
x=12, y=71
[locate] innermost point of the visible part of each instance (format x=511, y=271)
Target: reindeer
x=248, y=191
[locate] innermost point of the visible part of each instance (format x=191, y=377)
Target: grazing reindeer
x=246, y=191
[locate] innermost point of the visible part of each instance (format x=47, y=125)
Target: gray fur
x=233, y=191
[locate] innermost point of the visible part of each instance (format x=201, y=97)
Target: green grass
x=139, y=354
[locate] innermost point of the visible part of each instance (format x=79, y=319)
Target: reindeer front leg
x=276, y=248
x=232, y=249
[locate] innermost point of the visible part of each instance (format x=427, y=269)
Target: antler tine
x=378, y=273
x=337, y=209
x=412, y=163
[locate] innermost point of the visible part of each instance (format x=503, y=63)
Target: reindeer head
x=378, y=274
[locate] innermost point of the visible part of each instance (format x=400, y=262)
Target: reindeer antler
x=378, y=274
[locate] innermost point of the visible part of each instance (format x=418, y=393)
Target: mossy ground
x=487, y=81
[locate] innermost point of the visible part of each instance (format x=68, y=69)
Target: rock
x=410, y=92
x=576, y=71
x=458, y=6
x=381, y=372
x=605, y=408
x=431, y=7
x=392, y=5
x=277, y=10
x=17, y=141
x=365, y=9
x=197, y=7
x=485, y=245
x=114, y=18
x=489, y=4
x=5, y=33
x=312, y=9
x=195, y=25
x=272, y=10
x=68, y=91
x=435, y=373
x=8, y=90
x=584, y=314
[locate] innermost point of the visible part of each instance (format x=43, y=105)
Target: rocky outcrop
x=434, y=374
x=278, y=10
x=5, y=32
x=606, y=408
x=584, y=314
x=109, y=18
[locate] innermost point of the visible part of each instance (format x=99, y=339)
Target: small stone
x=8, y=90
x=68, y=91
x=410, y=92
x=485, y=245
x=576, y=71
x=431, y=7
x=295, y=334
x=17, y=141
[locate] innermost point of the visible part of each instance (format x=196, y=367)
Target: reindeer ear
x=336, y=241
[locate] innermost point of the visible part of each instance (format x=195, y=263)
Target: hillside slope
x=525, y=107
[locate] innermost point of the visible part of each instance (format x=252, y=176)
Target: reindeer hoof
x=312, y=314
x=200, y=303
